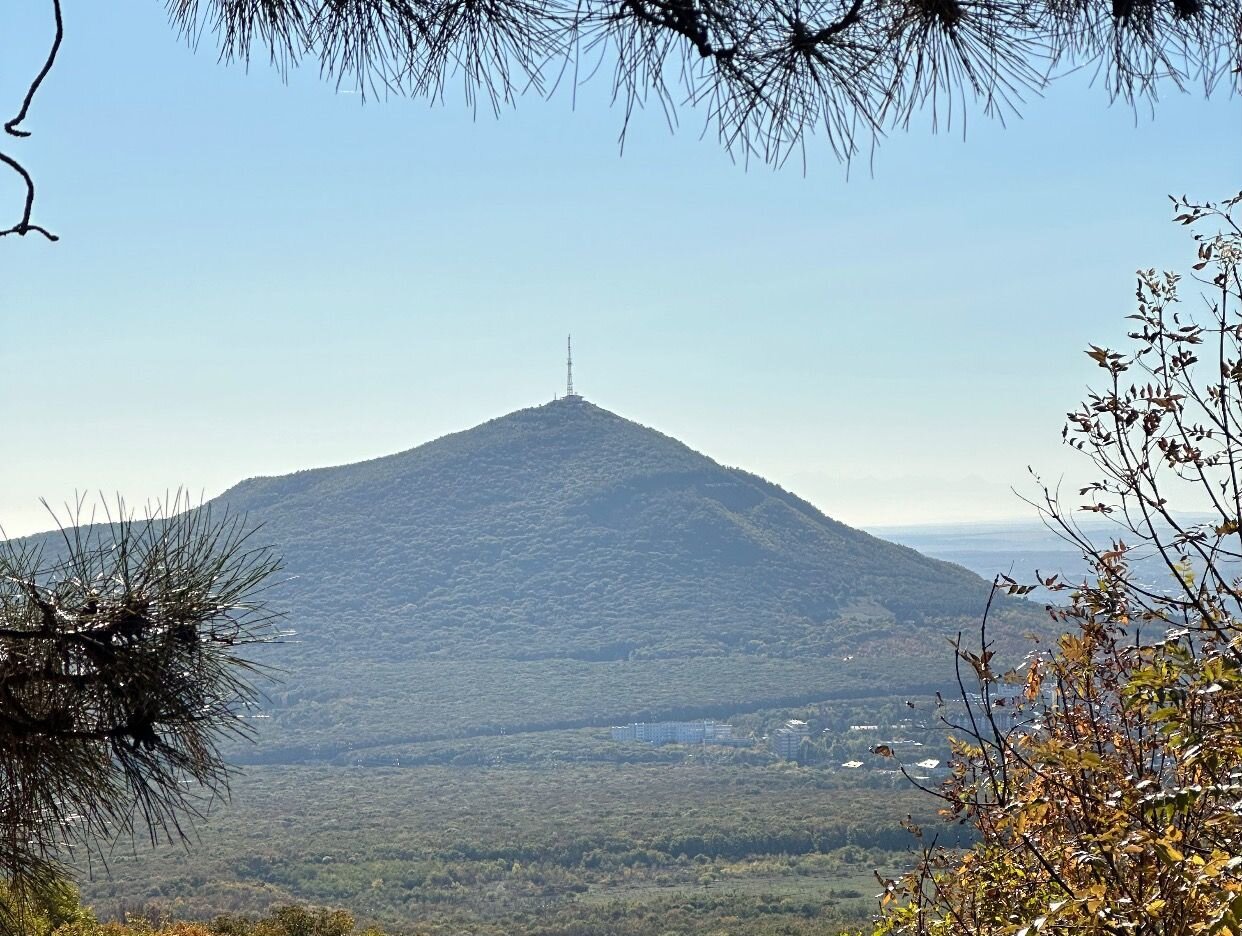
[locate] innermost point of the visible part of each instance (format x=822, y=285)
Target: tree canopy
x=767, y=73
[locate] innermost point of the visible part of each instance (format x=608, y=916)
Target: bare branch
x=24, y=226
x=12, y=126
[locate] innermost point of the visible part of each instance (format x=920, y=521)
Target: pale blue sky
x=257, y=277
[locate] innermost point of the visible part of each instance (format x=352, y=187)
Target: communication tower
x=569, y=370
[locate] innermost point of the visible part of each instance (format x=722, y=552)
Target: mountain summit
x=563, y=565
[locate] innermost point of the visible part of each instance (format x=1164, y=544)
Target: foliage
x=1113, y=806
x=283, y=920
x=702, y=913
x=121, y=670
x=53, y=908
x=291, y=920
x=533, y=848
x=768, y=73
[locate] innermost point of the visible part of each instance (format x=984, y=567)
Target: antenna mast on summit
x=569, y=371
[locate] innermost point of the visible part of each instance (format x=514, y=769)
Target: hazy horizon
x=257, y=277
x=903, y=491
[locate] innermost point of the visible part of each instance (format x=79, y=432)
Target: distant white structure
x=692, y=732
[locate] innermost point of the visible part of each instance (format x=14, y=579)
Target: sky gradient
x=258, y=276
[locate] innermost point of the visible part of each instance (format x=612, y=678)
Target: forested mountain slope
x=563, y=565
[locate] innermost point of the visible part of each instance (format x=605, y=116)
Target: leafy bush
x=1111, y=804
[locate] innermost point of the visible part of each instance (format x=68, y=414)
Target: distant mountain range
x=1022, y=549
x=1018, y=549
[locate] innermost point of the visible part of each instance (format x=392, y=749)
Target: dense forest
x=561, y=566
x=534, y=848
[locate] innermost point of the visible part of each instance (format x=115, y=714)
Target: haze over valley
x=472, y=617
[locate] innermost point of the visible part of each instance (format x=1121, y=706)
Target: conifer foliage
x=765, y=75
x=122, y=667
x=1111, y=801
x=766, y=72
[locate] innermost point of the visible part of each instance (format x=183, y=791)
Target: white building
x=693, y=732
x=786, y=741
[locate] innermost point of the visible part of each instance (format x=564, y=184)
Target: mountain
x=564, y=566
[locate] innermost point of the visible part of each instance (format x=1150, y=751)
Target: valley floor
x=561, y=848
